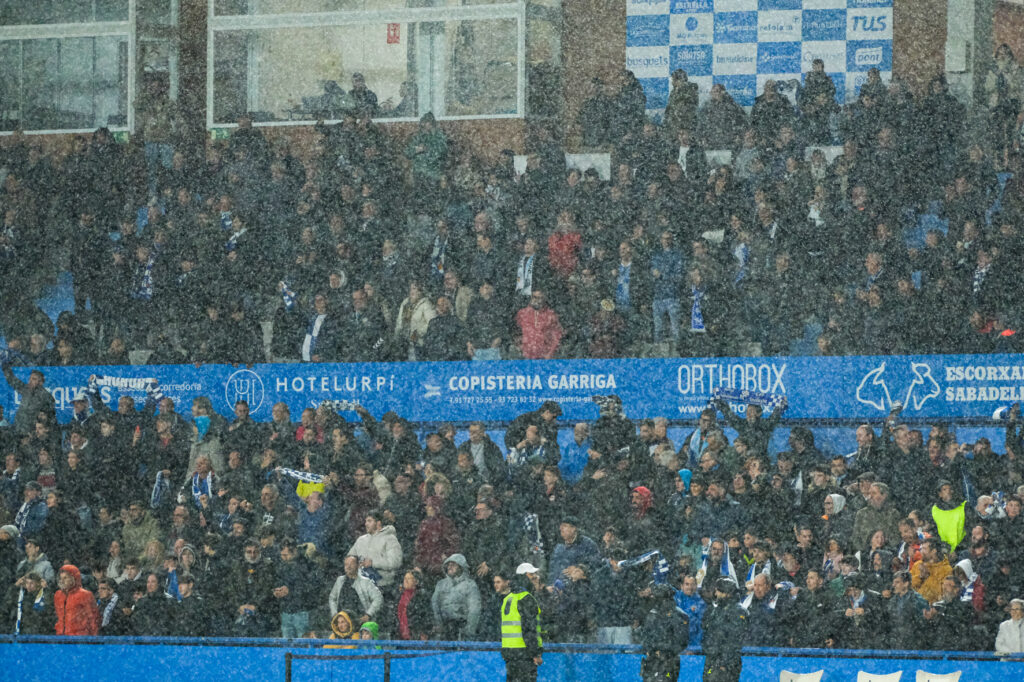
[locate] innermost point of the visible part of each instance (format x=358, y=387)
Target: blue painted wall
x=39, y=659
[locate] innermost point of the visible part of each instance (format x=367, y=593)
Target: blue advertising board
x=945, y=387
x=743, y=43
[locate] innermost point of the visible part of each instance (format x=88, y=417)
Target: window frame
x=94, y=29
x=511, y=9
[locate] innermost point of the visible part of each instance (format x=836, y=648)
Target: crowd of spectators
x=140, y=521
x=361, y=248
x=136, y=520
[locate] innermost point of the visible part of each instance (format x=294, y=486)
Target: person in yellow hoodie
x=928, y=573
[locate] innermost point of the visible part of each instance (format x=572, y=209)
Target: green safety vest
x=950, y=524
x=511, y=625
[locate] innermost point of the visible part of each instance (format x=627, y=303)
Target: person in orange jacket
x=76, y=609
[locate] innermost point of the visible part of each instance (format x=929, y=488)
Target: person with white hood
x=456, y=601
x=378, y=549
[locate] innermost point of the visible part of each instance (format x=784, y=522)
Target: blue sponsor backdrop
x=851, y=36
x=858, y=388
x=117, y=659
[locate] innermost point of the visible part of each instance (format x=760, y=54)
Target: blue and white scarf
x=304, y=476
x=142, y=284
x=9, y=357
x=316, y=325
x=726, y=570
x=202, y=485
x=37, y=604
x=287, y=295
x=108, y=611
x=696, y=314
x=531, y=527
x=742, y=253
x=659, y=567
x=439, y=256
x=750, y=598
x=160, y=489
x=768, y=400
x=765, y=570
x=232, y=242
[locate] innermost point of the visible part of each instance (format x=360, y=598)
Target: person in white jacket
x=1010, y=639
x=366, y=593
x=378, y=549
x=414, y=315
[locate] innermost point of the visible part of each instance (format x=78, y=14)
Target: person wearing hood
x=641, y=532
x=664, y=635
x=370, y=630
x=75, y=606
x=379, y=549
x=836, y=522
x=456, y=601
x=521, y=641
x=972, y=590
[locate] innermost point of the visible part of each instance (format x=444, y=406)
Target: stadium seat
x=786, y=676
x=879, y=677
x=923, y=676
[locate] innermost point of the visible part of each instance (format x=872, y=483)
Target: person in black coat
x=113, y=621
x=725, y=631
x=664, y=635
x=950, y=619
x=153, y=615
x=446, y=335
x=545, y=419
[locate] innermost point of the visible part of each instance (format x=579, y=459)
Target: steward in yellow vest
x=521, y=643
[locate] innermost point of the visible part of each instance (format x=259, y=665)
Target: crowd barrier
x=38, y=659
x=824, y=390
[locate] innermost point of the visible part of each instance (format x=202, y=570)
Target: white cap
x=526, y=567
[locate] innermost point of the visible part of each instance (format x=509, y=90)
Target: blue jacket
x=33, y=520
x=694, y=608
x=670, y=265
x=583, y=552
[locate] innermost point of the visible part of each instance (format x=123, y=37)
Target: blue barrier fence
x=44, y=659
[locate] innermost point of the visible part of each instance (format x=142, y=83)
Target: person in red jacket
x=75, y=606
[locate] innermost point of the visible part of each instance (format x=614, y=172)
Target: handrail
x=467, y=647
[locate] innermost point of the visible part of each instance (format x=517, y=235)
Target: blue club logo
x=691, y=24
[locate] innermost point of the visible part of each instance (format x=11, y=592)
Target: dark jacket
x=725, y=631
x=665, y=628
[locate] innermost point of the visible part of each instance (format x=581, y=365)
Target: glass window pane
x=306, y=74
x=75, y=83
x=61, y=11
x=237, y=7
x=482, y=68
x=10, y=84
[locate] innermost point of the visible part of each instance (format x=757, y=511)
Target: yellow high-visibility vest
x=511, y=623
x=950, y=524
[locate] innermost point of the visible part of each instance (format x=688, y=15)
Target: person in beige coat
x=414, y=314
